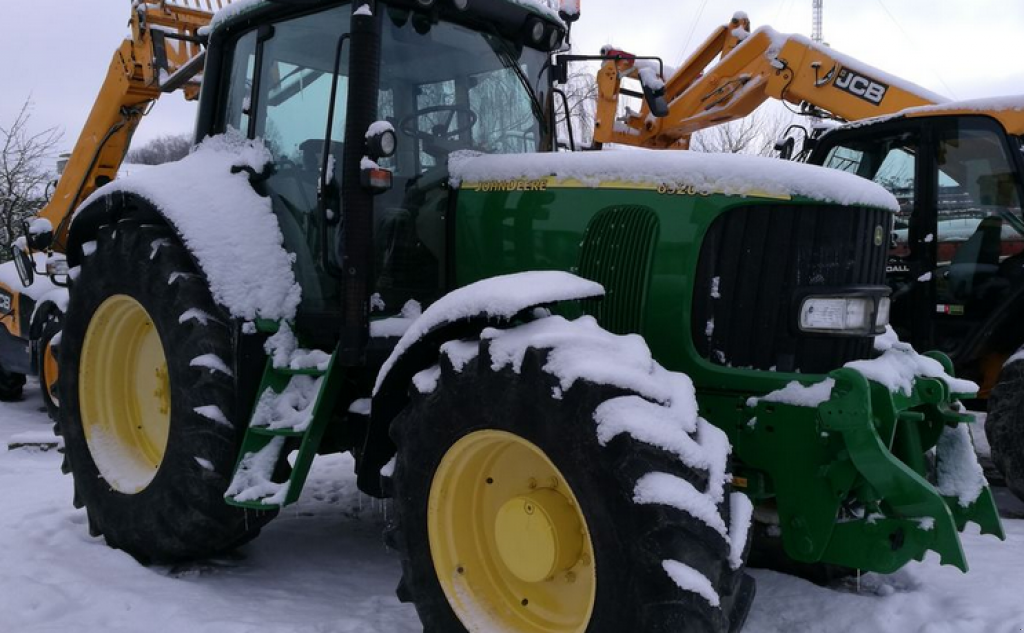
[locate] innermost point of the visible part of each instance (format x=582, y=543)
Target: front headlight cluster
x=855, y=315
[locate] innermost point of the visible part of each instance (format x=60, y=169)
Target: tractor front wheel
x=147, y=397
x=1004, y=426
x=513, y=515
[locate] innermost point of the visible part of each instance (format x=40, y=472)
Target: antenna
x=816, y=30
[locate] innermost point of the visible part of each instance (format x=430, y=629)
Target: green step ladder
x=292, y=404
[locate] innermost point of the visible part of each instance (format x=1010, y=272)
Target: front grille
x=754, y=264
x=616, y=252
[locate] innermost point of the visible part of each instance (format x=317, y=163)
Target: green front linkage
x=850, y=477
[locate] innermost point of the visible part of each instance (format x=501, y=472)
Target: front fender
x=461, y=314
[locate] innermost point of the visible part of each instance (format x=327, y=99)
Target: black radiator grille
x=616, y=252
x=754, y=262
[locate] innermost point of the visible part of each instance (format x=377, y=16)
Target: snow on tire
x=562, y=420
x=152, y=475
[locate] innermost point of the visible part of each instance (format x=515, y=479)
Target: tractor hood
x=695, y=173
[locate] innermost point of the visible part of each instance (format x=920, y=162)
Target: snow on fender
x=229, y=228
x=500, y=297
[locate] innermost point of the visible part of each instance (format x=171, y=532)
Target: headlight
x=839, y=315
x=883, y=313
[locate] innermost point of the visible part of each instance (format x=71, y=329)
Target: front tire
x=1004, y=426
x=151, y=433
x=513, y=515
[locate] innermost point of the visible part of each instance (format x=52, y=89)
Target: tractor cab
x=320, y=84
x=956, y=261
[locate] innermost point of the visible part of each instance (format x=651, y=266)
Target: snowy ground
x=321, y=568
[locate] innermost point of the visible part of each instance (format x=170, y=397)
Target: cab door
x=890, y=155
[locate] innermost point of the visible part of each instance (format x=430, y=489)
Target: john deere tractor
x=375, y=248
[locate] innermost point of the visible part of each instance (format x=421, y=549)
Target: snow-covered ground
x=321, y=568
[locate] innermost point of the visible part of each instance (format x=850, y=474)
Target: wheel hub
x=124, y=393
x=509, y=541
x=538, y=534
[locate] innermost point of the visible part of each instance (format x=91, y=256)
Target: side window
x=243, y=67
x=890, y=162
x=285, y=102
x=979, y=223
x=295, y=88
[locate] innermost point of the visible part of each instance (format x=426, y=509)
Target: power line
x=918, y=48
x=693, y=27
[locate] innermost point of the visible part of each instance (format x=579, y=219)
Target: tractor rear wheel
x=512, y=514
x=1004, y=426
x=151, y=434
x=11, y=386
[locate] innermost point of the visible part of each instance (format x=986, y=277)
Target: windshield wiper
x=508, y=59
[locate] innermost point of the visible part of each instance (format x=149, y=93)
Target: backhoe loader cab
x=958, y=245
x=375, y=248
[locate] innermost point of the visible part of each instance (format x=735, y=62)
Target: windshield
x=447, y=88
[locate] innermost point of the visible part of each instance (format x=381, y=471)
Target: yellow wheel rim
x=124, y=392
x=50, y=372
x=509, y=542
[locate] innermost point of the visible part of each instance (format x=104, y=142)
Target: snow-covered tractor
x=578, y=377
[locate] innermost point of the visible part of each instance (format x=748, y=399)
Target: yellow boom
x=163, y=54
x=753, y=68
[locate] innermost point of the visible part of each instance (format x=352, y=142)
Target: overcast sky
x=58, y=51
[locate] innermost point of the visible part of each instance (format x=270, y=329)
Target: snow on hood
x=730, y=174
x=228, y=227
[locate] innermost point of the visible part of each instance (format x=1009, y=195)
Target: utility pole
x=816, y=30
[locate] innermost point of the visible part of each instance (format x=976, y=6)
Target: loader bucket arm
x=751, y=69
x=162, y=54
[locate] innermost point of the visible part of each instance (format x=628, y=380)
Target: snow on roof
x=231, y=230
x=994, y=106
x=545, y=8
x=730, y=174
x=236, y=8
x=1009, y=103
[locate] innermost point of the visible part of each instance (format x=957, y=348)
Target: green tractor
x=377, y=249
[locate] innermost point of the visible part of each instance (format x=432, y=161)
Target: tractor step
x=291, y=413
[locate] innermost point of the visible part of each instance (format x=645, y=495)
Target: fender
x=109, y=209
x=461, y=314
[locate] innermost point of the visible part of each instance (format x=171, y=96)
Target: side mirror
x=40, y=234
x=24, y=265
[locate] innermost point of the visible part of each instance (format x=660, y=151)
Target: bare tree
x=756, y=133
x=581, y=93
x=23, y=177
x=164, y=149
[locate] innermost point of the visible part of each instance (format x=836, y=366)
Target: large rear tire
x=512, y=515
x=1004, y=426
x=147, y=393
